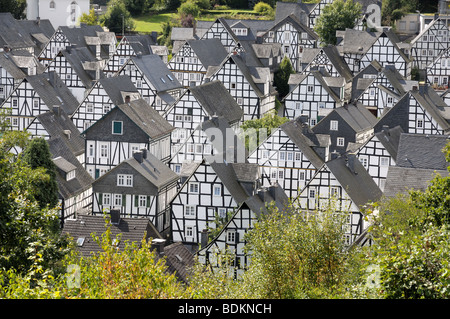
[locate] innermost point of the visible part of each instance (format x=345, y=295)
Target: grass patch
x=151, y=22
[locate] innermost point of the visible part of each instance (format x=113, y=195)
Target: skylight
x=163, y=81
x=80, y=241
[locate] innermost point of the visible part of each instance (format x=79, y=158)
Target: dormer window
x=70, y=175
x=240, y=31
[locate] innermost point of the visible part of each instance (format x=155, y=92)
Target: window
x=15, y=122
x=117, y=200
x=301, y=176
x=222, y=212
x=2, y=91
x=419, y=123
x=106, y=108
x=125, y=180
x=364, y=161
x=177, y=168
x=193, y=188
x=189, y=232
x=142, y=200
x=91, y=150
x=310, y=88
x=139, y=84
x=333, y=125
x=117, y=127
x=312, y=193
x=290, y=156
x=231, y=236
x=217, y=190
x=298, y=105
x=189, y=210
x=104, y=150
x=106, y=199
x=198, y=148
x=280, y=174
x=190, y=148
x=265, y=154
x=298, y=156
x=89, y=107
x=282, y=156
x=334, y=191
x=70, y=175
x=340, y=141
x=384, y=161
x=372, y=92
x=35, y=103
x=15, y=102
x=390, y=100
x=52, y=5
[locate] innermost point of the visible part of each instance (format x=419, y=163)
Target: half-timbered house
x=129, y=46
x=250, y=86
x=293, y=36
x=327, y=60
x=198, y=104
x=314, y=96
x=190, y=63
x=430, y=43
x=360, y=48
x=344, y=185
x=141, y=186
x=153, y=79
x=213, y=190
x=287, y=157
x=220, y=29
x=419, y=111
x=379, y=153
x=101, y=98
x=102, y=44
x=378, y=88
x=78, y=68
x=35, y=95
x=351, y=123
x=125, y=129
x=40, y=31
x=438, y=71
x=231, y=238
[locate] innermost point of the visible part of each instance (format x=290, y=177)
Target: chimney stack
x=115, y=216
x=350, y=162
x=139, y=156
x=158, y=245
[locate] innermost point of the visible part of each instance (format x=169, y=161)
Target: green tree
x=281, y=77
x=117, y=17
x=264, y=9
x=16, y=7
x=37, y=155
x=189, y=8
x=395, y=9
x=255, y=131
x=297, y=256
x=89, y=18
x=338, y=15
x=27, y=231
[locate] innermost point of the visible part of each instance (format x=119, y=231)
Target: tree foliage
x=339, y=15
x=89, y=18
x=393, y=10
x=27, y=229
x=281, y=77
x=117, y=17
x=37, y=155
x=16, y=7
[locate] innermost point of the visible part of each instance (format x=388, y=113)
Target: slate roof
x=298, y=9
x=147, y=118
x=356, y=181
x=400, y=180
x=50, y=88
x=153, y=67
x=141, y=43
x=84, y=63
x=210, y=52
x=179, y=260
x=13, y=34
x=422, y=151
x=216, y=100
x=390, y=138
x=7, y=63
x=294, y=129
x=59, y=148
x=115, y=85
x=131, y=230
x=59, y=125
x=40, y=31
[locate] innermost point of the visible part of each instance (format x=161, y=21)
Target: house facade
x=126, y=129
x=141, y=186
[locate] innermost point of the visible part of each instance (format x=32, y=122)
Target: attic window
x=52, y=5
x=70, y=175
x=80, y=241
x=163, y=81
x=170, y=78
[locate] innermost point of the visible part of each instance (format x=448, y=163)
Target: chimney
x=334, y=155
x=385, y=129
x=138, y=156
x=350, y=162
x=115, y=216
x=204, y=238
x=262, y=193
x=67, y=133
x=144, y=153
x=158, y=245
x=57, y=109
x=127, y=99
